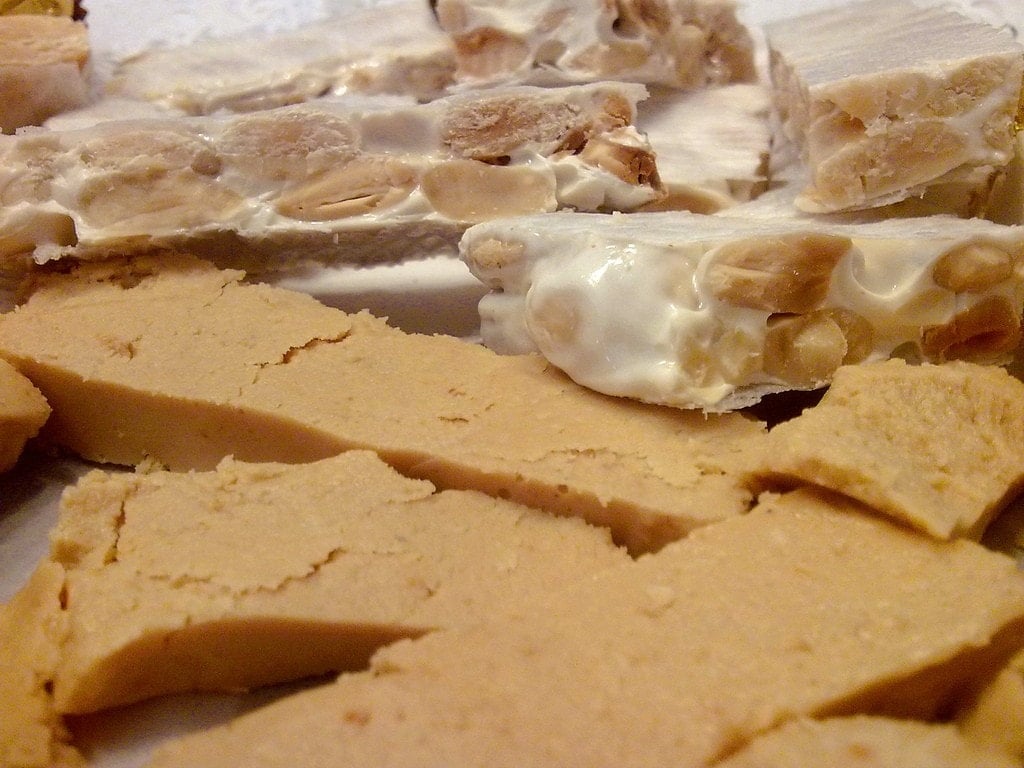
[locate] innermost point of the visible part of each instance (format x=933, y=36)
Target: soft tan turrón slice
x=678, y=43
x=32, y=627
x=23, y=411
x=713, y=312
x=262, y=573
x=711, y=145
x=935, y=446
x=995, y=717
x=919, y=95
x=803, y=606
x=866, y=742
x=398, y=50
x=43, y=68
x=347, y=180
x=187, y=365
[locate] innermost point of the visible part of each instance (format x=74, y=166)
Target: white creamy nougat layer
x=805, y=606
x=685, y=44
x=398, y=49
x=44, y=68
x=184, y=363
x=711, y=145
x=346, y=180
x=255, y=574
x=713, y=312
x=888, y=98
x=935, y=446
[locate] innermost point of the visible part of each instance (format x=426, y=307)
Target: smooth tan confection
x=866, y=742
x=184, y=364
x=920, y=95
x=32, y=627
x=255, y=574
x=398, y=49
x=23, y=411
x=43, y=68
x=350, y=179
x=685, y=44
x=805, y=606
x=934, y=446
x=996, y=716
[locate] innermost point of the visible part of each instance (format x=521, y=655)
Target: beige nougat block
x=255, y=574
x=43, y=68
x=344, y=180
x=23, y=411
x=935, y=446
x=919, y=95
x=32, y=627
x=866, y=742
x=188, y=365
x=804, y=606
x=996, y=716
x=398, y=49
x=684, y=44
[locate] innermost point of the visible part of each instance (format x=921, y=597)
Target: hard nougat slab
x=187, y=365
x=802, y=607
x=43, y=68
x=935, y=446
x=351, y=179
x=888, y=98
x=713, y=312
x=255, y=574
x=867, y=742
x=23, y=411
x=398, y=50
x=684, y=44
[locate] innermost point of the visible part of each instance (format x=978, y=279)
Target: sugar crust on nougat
x=345, y=180
x=181, y=362
x=684, y=44
x=919, y=95
x=23, y=411
x=713, y=312
x=866, y=742
x=43, y=68
x=935, y=446
x=804, y=606
x=282, y=572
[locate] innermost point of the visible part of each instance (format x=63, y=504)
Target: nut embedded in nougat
x=357, y=188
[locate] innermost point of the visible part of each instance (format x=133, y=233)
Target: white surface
x=435, y=295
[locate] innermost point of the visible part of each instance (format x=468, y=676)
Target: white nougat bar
x=677, y=43
x=886, y=99
x=399, y=49
x=713, y=312
x=352, y=180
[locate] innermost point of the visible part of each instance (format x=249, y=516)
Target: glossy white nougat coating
x=713, y=312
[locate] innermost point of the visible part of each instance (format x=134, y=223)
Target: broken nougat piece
x=802, y=607
x=995, y=717
x=684, y=44
x=866, y=742
x=43, y=68
x=23, y=411
x=32, y=627
x=398, y=49
x=934, y=446
x=714, y=312
x=351, y=180
x=712, y=145
x=181, y=362
x=281, y=572
x=886, y=98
